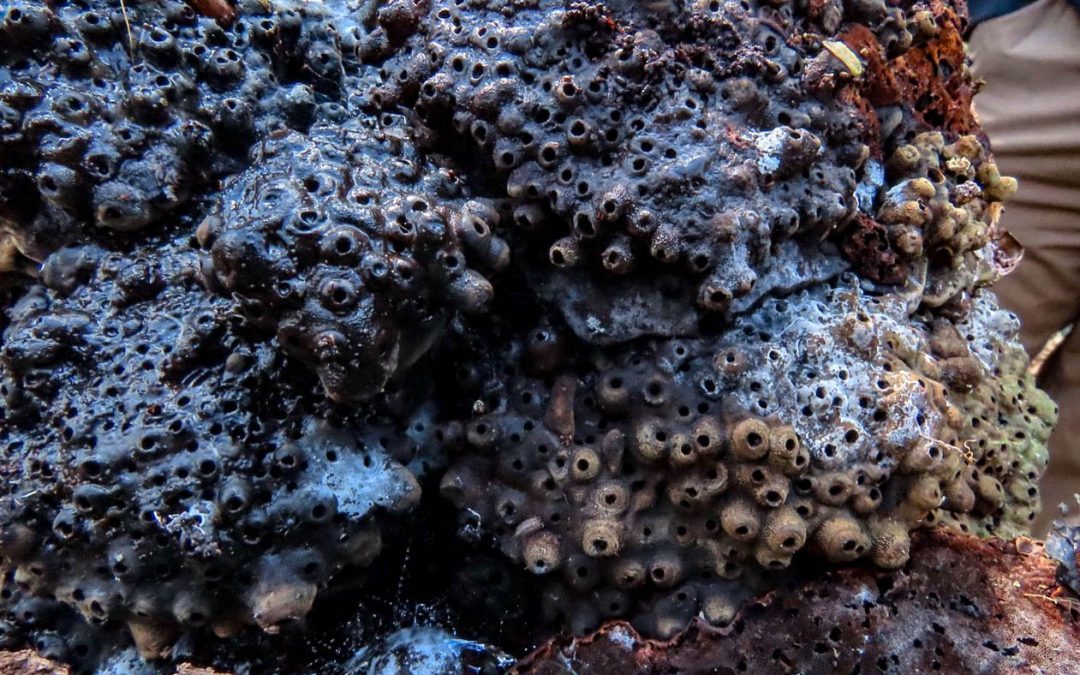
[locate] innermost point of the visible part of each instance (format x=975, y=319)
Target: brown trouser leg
x=1030, y=108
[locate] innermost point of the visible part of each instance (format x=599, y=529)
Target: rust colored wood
x=928, y=79
x=222, y=10
x=26, y=662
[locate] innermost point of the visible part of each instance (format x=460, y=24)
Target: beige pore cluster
x=661, y=482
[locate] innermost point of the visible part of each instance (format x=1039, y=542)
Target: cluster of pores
x=663, y=481
x=626, y=222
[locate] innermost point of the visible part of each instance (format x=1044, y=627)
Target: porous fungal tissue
x=662, y=298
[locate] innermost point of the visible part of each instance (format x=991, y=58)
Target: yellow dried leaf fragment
x=844, y=54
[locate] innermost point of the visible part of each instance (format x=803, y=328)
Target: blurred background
x=1028, y=55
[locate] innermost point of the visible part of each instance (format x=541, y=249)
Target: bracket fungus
x=663, y=301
